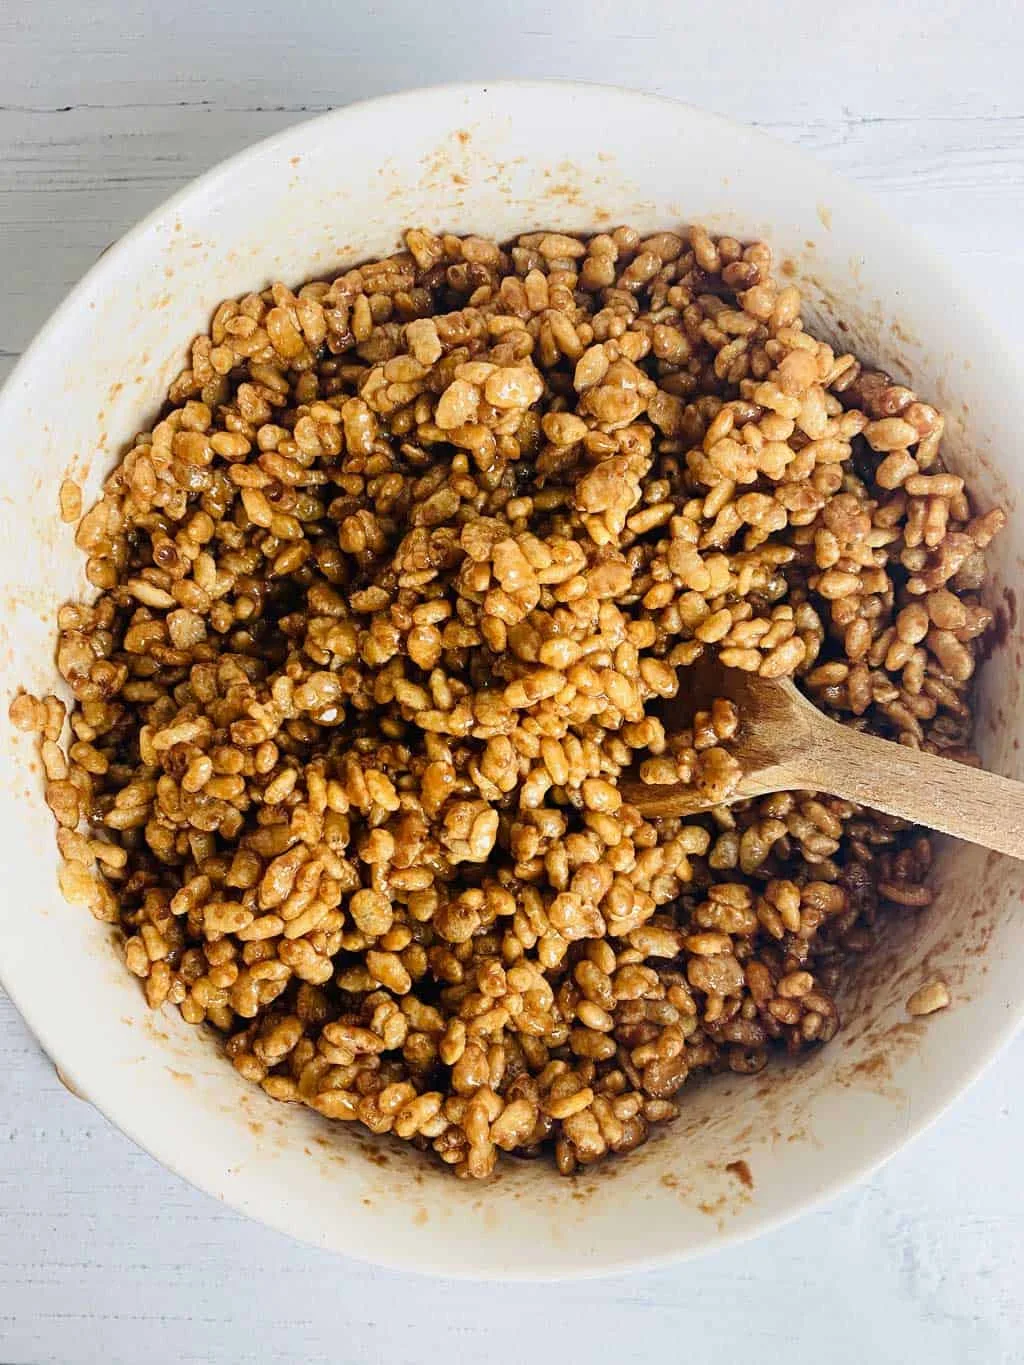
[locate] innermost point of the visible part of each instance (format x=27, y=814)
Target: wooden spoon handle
x=968, y=803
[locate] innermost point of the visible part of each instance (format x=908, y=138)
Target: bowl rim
x=159, y=1142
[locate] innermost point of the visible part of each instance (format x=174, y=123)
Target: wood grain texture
x=106, y=109
x=792, y=746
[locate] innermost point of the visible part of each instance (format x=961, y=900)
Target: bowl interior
x=499, y=160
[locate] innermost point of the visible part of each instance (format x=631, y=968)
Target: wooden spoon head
x=776, y=723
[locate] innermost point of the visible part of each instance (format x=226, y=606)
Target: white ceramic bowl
x=322, y=196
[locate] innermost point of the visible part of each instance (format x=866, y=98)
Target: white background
x=105, y=109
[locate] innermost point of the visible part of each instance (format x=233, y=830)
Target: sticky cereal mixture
x=388, y=600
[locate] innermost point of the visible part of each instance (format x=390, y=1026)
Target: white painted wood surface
x=107, y=108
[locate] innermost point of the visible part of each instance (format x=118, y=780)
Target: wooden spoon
x=785, y=743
